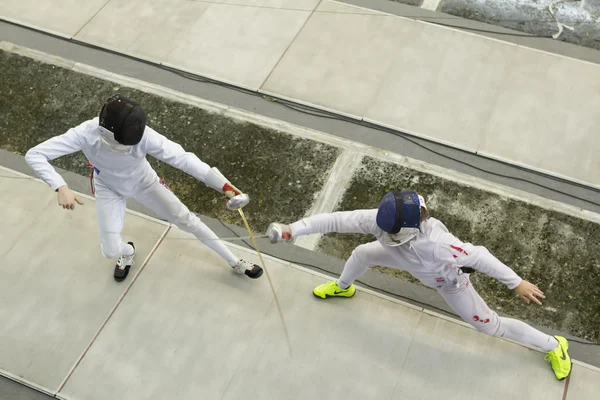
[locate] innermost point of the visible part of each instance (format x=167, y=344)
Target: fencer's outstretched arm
x=358, y=221
x=452, y=250
x=172, y=153
x=38, y=157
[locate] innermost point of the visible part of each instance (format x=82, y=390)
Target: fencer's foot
x=123, y=265
x=559, y=358
x=251, y=270
x=279, y=232
x=332, y=289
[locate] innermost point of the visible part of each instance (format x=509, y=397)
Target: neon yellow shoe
x=559, y=358
x=332, y=289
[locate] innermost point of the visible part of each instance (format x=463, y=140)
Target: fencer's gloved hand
x=235, y=198
x=279, y=232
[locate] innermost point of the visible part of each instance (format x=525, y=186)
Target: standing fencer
x=409, y=239
x=116, y=144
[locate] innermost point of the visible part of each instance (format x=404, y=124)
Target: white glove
x=279, y=232
x=235, y=198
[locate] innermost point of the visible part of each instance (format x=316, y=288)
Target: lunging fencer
x=409, y=239
x=116, y=144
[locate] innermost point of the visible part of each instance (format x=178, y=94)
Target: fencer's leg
x=161, y=200
x=467, y=303
x=521, y=332
x=363, y=257
x=110, y=210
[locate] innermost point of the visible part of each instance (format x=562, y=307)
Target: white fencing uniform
x=121, y=176
x=433, y=257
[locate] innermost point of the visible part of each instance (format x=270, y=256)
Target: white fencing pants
x=110, y=208
x=464, y=299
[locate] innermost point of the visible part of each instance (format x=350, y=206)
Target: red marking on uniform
x=460, y=250
x=439, y=280
x=92, y=187
x=483, y=321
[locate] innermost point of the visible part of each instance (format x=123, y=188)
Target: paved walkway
x=495, y=98
x=184, y=326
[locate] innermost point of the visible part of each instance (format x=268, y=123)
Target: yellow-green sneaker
x=332, y=289
x=559, y=358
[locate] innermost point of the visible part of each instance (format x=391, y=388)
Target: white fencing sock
x=519, y=331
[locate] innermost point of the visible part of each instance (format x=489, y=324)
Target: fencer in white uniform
x=408, y=239
x=116, y=144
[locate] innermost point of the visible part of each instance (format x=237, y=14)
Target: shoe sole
x=122, y=278
x=258, y=275
x=328, y=296
x=119, y=278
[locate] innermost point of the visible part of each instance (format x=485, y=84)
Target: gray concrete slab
x=63, y=17
x=584, y=384
x=180, y=332
x=57, y=289
x=530, y=114
x=347, y=66
x=342, y=348
x=237, y=44
x=451, y=361
x=302, y=5
x=422, y=80
x=146, y=28
x=11, y=390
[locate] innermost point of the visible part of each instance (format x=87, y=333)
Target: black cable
x=374, y=288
